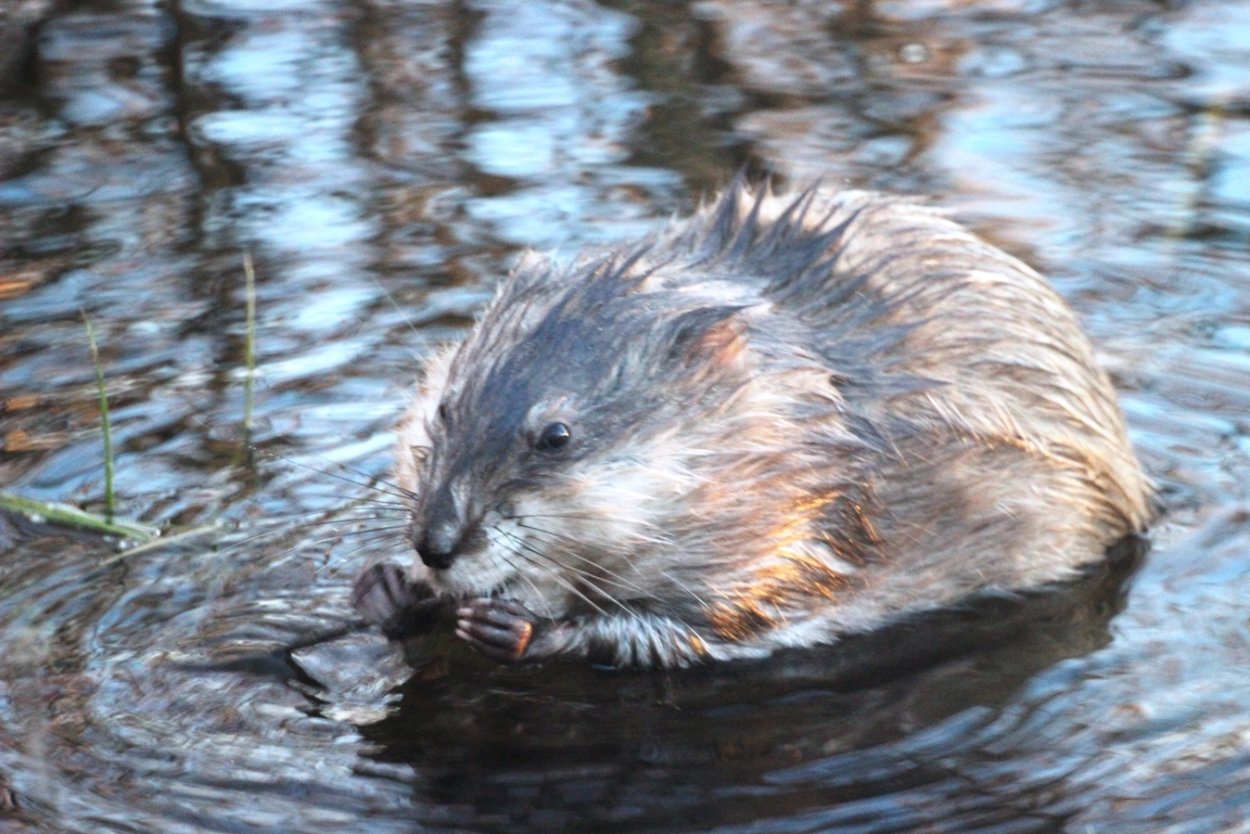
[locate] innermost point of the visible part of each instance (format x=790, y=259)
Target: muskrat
x=782, y=420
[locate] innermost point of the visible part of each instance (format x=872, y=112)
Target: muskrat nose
x=437, y=545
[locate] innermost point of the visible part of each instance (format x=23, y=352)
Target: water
x=384, y=162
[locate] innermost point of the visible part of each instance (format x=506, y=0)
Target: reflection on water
x=383, y=162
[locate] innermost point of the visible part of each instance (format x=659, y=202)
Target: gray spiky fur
x=792, y=417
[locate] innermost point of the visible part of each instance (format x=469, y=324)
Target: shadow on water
x=566, y=745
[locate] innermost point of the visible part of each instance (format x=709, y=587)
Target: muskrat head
x=547, y=453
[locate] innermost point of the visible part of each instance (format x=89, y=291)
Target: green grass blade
x=58, y=513
x=249, y=349
x=110, y=500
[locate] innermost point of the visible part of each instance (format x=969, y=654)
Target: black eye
x=555, y=436
x=442, y=413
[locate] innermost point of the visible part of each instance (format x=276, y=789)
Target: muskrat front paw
x=498, y=628
x=385, y=596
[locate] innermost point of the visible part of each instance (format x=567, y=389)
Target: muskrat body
x=785, y=419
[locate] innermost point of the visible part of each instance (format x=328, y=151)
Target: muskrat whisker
x=368, y=530
x=537, y=593
x=621, y=581
x=575, y=516
x=373, y=532
x=518, y=551
x=536, y=557
x=560, y=580
x=693, y=595
x=291, y=523
x=284, y=555
x=311, y=519
x=403, y=316
x=394, y=490
x=595, y=581
x=272, y=531
x=330, y=568
x=660, y=536
x=380, y=503
x=277, y=528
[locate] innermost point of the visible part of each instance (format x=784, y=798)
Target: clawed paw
x=497, y=628
x=385, y=596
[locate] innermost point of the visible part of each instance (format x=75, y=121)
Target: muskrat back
x=784, y=419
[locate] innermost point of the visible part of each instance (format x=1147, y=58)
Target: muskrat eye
x=555, y=436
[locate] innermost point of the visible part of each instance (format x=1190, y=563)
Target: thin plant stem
x=249, y=349
x=65, y=514
x=110, y=501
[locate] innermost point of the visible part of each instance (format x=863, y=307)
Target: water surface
x=384, y=162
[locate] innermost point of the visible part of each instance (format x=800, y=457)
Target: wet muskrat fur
x=782, y=420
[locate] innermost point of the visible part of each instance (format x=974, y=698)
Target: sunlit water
x=384, y=162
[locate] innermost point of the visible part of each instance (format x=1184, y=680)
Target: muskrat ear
x=709, y=335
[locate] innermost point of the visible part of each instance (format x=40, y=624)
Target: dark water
x=384, y=161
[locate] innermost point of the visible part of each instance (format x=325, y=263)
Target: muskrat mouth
x=466, y=594
x=497, y=592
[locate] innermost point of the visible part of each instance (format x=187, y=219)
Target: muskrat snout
x=437, y=546
x=438, y=532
